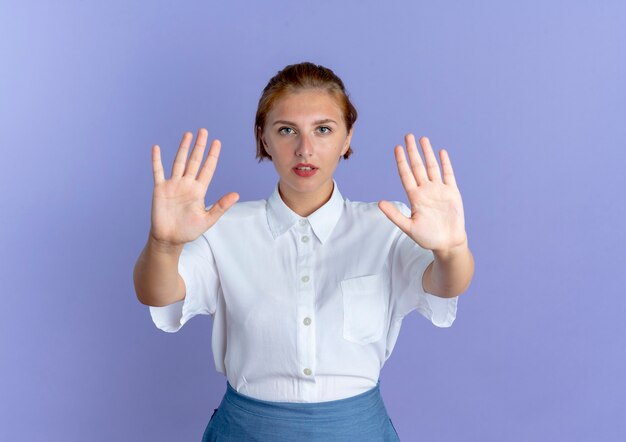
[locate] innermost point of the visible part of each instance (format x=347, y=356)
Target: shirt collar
x=281, y=218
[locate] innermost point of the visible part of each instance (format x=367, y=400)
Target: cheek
x=282, y=153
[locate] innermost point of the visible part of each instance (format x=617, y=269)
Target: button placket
x=305, y=331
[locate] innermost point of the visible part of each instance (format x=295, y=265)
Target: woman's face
x=305, y=134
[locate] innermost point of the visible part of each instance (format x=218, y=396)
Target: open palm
x=437, y=220
x=179, y=214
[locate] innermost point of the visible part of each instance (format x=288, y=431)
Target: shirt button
x=302, y=222
x=307, y=321
x=307, y=371
x=305, y=238
x=305, y=279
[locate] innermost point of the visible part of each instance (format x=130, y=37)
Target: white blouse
x=304, y=309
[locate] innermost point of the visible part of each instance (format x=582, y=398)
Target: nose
x=305, y=147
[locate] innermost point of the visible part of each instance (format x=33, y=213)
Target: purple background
x=528, y=97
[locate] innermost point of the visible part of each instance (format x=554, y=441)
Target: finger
x=157, y=165
x=432, y=168
x=406, y=176
x=417, y=166
x=195, y=159
x=221, y=206
x=181, y=156
x=208, y=168
x=396, y=217
x=446, y=167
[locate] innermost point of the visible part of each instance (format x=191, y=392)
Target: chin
x=305, y=185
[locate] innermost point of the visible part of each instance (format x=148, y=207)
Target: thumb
x=395, y=216
x=220, y=207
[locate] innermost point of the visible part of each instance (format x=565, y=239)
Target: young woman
x=307, y=289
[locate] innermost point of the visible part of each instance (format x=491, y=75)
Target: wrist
x=163, y=247
x=453, y=252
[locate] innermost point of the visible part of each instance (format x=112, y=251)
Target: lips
x=305, y=166
x=305, y=170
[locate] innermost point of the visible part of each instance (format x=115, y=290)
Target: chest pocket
x=364, y=308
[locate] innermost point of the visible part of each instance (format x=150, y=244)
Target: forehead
x=306, y=104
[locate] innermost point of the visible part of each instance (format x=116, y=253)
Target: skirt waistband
x=340, y=408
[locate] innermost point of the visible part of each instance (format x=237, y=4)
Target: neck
x=305, y=204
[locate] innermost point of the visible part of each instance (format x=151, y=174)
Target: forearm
x=156, y=278
x=450, y=273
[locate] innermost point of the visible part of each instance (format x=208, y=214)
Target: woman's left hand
x=437, y=221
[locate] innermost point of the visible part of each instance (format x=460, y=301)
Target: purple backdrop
x=529, y=98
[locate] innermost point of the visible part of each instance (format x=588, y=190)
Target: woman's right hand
x=178, y=211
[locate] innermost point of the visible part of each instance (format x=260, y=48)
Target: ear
x=263, y=142
x=346, y=145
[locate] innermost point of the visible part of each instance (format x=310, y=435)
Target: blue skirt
x=360, y=418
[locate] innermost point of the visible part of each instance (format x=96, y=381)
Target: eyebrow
x=291, y=123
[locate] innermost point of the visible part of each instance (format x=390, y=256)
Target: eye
x=325, y=129
x=285, y=130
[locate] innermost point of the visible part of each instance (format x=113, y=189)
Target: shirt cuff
x=440, y=311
